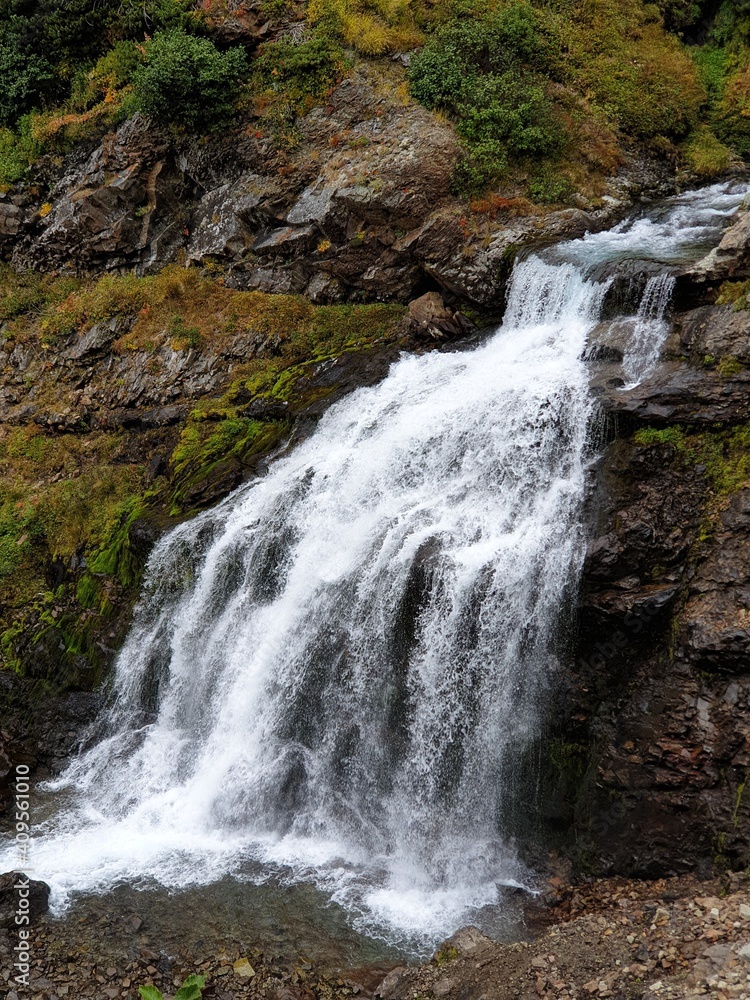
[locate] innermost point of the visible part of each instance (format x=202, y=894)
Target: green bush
x=187, y=81
x=26, y=74
x=513, y=111
x=44, y=45
x=463, y=49
x=705, y=155
x=550, y=188
x=18, y=150
x=484, y=69
x=503, y=118
x=438, y=76
x=304, y=70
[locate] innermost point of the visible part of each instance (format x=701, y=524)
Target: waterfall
x=333, y=674
x=651, y=327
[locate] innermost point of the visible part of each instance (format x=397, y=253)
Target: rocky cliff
x=164, y=384
x=656, y=735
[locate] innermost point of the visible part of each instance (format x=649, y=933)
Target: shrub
x=304, y=70
x=43, y=46
x=550, y=188
x=438, y=76
x=187, y=81
x=643, y=78
x=26, y=74
x=494, y=42
x=705, y=155
x=515, y=120
x=17, y=152
x=485, y=71
x=369, y=26
x=509, y=116
x=112, y=73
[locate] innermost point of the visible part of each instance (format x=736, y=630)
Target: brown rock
x=731, y=259
x=429, y=317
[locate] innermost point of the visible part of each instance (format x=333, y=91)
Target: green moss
x=724, y=455
x=570, y=760
x=672, y=437
x=114, y=556
x=734, y=293
x=88, y=591
x=738, y=805
x=729, y=366
x=720, y=856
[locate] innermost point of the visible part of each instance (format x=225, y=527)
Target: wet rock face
x=678, y=392
x=661, y=683
x=713, y=331
x=715, y=624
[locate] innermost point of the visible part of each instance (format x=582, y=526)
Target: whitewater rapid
x=333, y=675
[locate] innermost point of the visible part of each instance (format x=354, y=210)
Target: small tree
x=187, y=81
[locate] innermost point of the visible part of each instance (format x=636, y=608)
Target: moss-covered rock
x=107, y=441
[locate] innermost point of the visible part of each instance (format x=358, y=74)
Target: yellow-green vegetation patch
x=24, y=297
x=723, y=454
x=58, y=495
x=639, y=74
x=538, y=84
x=729, y=365
x=205, y=444
x=735, y=293
x=303, y=335
x=372, y=27
x=704, y=154
x=187, y=309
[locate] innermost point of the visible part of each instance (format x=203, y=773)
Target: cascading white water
x=650, y=328
x=332, y=675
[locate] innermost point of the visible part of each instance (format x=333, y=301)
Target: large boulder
x=730, y=260
x=430, y=318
